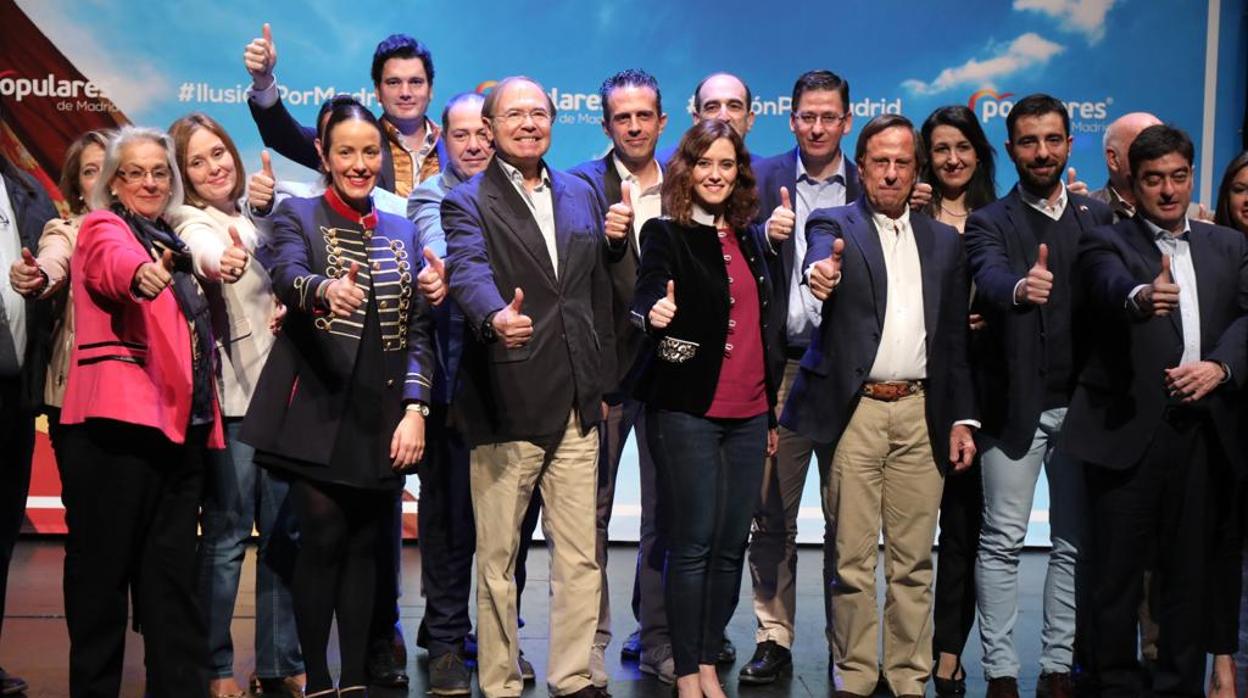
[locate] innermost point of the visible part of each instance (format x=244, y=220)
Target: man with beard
x=1022, y=250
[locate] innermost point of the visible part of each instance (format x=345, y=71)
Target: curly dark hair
x=742, y=203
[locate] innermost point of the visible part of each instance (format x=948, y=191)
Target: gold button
x=389, y=382
x=376, y=266
x=383, y=304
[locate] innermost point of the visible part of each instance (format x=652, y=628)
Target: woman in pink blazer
x=140, y=413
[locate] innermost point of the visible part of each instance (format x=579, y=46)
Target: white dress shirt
x=1184, y=274
x=13, y=305
x=541, y=203
x=902, y=353
x=647, y=202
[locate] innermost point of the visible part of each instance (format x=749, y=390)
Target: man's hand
x=920, y=196
x=664, y=310
x=619, y=222
x=783, y=220
x=826, y=273
x=513, y=327
x=343, y=296
x=153, y=277
x=1162, y=296
x=1038, y=283
x=1193, y=381
x=961, y=447
x=1073, y=185
x=260, y=57
x=261, y=186
x=25, y=276
x=432, y=279
x=234, y=259
x=407, y=446
x=977, y=322
x=278, y=317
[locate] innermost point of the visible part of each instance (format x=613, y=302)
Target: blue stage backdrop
x=1103, y=58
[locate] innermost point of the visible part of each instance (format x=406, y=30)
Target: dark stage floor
x=35, y=644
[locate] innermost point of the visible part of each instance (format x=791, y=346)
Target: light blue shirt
x=811, y=194
x=424, y=208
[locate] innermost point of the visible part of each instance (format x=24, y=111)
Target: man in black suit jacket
x=628, y=183
x=791, y=186
x=886, y=381
x=25, y=336
x=1158, y=414
x=1021, y=250
x=527, y=266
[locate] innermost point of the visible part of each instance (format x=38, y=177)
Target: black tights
x=335, y=573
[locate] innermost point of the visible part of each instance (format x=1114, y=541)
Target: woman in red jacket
x=139, y=414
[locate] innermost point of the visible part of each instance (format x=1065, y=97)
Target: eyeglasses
x=136, y=175
x=515, y=117
x=810, y=118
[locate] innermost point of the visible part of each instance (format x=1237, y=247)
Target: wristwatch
x=420, y=407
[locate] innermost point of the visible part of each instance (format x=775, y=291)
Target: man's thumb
x=838, y=247
x=1164, y=277
x=434, y=260
x=1042, y=257
x=785, y=201
x=517, y=300
x=28, y=258
x=671, y=290
x=266, y=164
x=626, y=194
x=267, y=32
x=1071, y=177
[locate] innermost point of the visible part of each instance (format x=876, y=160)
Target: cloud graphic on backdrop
x=130, y=81
x=1086, y=17
x=1026, y=51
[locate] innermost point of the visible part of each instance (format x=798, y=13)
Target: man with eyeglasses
x=526, y=260
x=811, y=176
x=25, y=344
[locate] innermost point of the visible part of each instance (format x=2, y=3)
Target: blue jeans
x=709, y=472
x=1009, y=486
x=236, y=494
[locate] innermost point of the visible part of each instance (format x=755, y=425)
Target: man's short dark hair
x=697, y=91
x=883, y=122
x=461, y=98
x=633, y=77
x=821, y=80
x=1159, y=141
x=1036, y=105
x=401, y=46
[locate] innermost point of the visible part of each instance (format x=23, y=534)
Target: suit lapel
x=1204, y=257
x=853, y=184
x=1142, y=240
x=925, y=241
x=563, y=234
x=788, y=178
x=517, y=216
x=1018, y=221
x=862, y=229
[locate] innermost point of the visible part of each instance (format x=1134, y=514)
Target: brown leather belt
x=891, y=391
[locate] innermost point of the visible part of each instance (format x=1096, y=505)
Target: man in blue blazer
x=1021, y=250
x=886, y=383
x=791, y=186
x=527, y=266
x=1158, y=418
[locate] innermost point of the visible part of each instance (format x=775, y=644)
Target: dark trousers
x=1156, y=510
x=131, y=502
x=385, y=633
x=17, y=446
x=710, y=472
x=961, y=517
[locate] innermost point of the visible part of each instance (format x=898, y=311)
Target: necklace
x=955, y=214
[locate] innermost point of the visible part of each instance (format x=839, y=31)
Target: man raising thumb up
x=1036, y=286
x=513, y=327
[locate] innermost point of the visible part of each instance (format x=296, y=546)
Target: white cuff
x=264, y=97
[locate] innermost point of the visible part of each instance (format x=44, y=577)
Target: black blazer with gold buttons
x=683, y=370
x=302, y=392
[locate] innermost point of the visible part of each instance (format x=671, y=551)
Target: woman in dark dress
x=340, y=406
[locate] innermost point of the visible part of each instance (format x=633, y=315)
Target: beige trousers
x=503, y=478
x=883, y=471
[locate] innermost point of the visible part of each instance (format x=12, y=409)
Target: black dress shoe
x=727, y=652
x=384, y=668
x=768, y=662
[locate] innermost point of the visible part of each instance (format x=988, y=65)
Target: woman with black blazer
x=702, y=294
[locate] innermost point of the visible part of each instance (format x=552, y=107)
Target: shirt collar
x=626, y=176
x=513, y=173
x=1041, y=203
x=882, y=221
x=701, y=216
x=1161, y=234
x=838, y=176
x=431, y=135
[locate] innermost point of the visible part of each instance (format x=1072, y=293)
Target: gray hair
x=101, y=195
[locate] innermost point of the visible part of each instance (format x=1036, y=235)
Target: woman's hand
x=278, y=317
x=664, y=310
x=407, y=446
x=234, y=259
x=343, y=297
x=773, y=441
x=153, y=277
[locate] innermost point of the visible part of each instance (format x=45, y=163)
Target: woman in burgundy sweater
x=702, y=295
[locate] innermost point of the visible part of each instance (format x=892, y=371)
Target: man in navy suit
x=527, y=266
x=1021, y=250
x=886, y=382
x=1158, y=415
x=25, y=336
x=628, y=182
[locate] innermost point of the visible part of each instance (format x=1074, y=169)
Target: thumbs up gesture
x=26, y=277
x=1038, y=283
x=153, y=277
x=513, y=327
x=783, y=220
x=664, y=310
x=343, y=296
x=261, y=186
x=1160, y=297
x=234, y=258
x=1073, y=185
x=619, y=220
x=432, y=278
x=260, y=57
x=826, y=273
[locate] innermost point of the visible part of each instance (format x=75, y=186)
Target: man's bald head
x=1118, y=138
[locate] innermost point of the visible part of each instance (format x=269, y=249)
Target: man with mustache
x=1021, y=251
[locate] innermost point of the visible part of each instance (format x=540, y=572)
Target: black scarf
x=157, y=237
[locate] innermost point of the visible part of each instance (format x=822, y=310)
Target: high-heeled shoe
x=953, y=686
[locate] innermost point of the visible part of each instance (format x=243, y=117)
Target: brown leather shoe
x=1003, y=687
x=1055, y=685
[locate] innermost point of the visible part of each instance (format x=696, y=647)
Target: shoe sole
x=648, y=669
x=467, y=690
